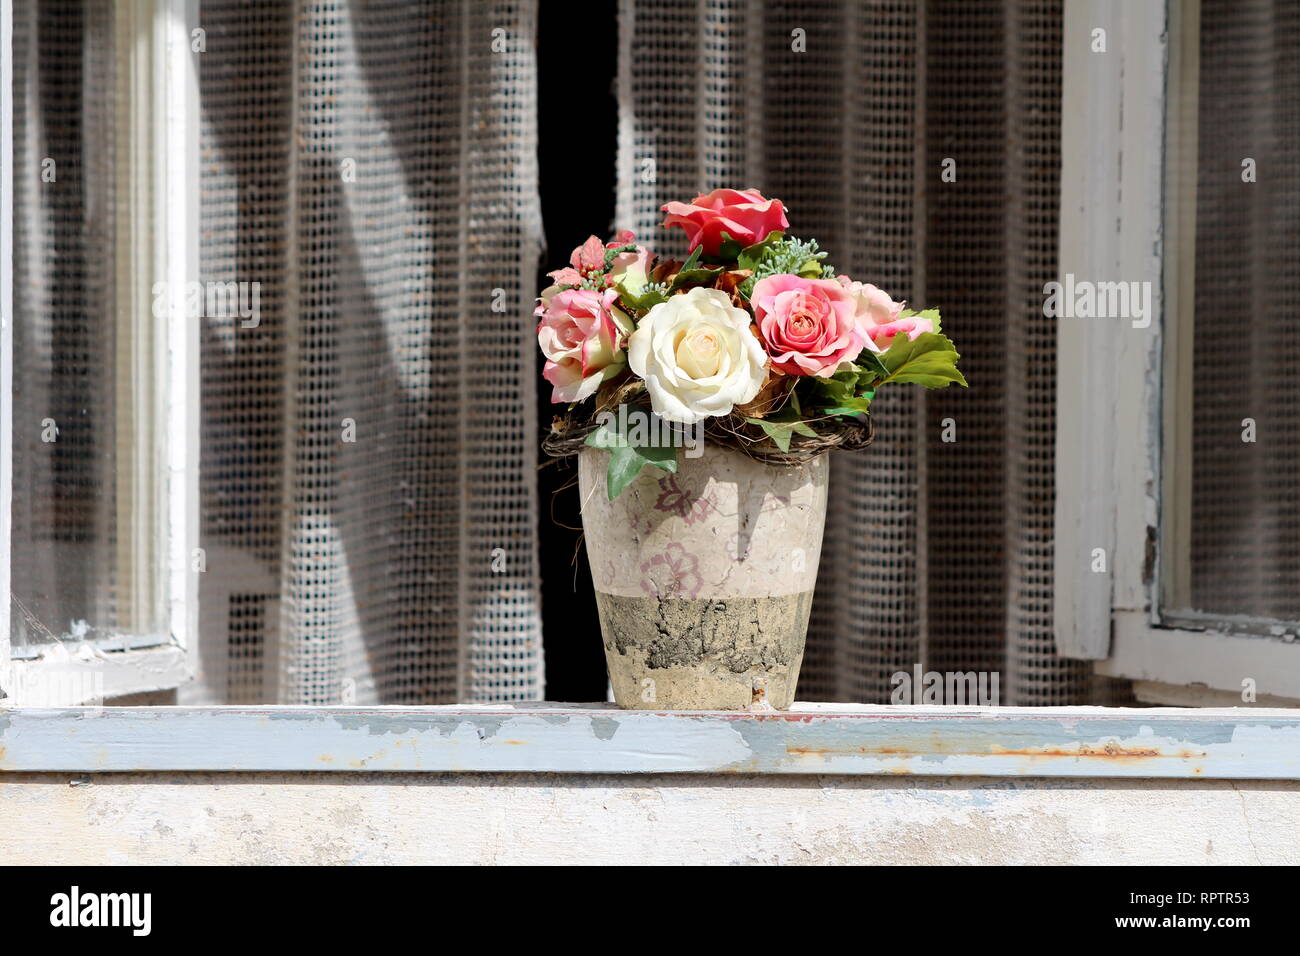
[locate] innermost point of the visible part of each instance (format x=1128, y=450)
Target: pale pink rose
x=631, y=270
x=878, y=315
x=882, y=336
x=582, y=333
x=743, y=214
x=808, y=326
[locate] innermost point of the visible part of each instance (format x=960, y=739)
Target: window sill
x=1227, y=743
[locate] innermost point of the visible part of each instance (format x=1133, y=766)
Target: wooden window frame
x=1129, y=153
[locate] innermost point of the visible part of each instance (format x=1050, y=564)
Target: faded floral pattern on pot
x=672, y=573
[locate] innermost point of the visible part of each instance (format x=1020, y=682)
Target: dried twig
x=568, y=436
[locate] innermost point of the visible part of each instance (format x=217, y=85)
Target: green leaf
x=729, y=248
x=692, y=259
x=845, y=393
x=692, y=273
x=647, y=300
x=625, y=459
x=929, y=360
x=781, y=431
x=870, y=362
x=750, y=256
x=851, y=407
x=701, y=276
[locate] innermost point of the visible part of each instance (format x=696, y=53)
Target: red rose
x=743, y=214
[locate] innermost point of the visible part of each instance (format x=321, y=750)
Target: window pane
x=1245, y=530
x=68, y=434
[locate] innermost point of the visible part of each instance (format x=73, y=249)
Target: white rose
x=697, y=356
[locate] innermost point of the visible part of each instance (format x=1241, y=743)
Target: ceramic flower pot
x=704, y=578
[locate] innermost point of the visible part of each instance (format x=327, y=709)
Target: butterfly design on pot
x=682, y=502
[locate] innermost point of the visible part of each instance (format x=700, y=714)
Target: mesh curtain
x=1245, y=528
x=937, y=552
x=368, y=472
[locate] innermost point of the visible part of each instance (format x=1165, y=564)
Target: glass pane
x=70, y=442
x=1245, y=527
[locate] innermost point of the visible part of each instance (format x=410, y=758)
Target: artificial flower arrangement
x=753, y=336
x=704, y=564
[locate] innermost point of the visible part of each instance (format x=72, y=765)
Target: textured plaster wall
x=377, y=818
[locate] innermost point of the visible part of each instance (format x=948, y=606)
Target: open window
x=367, y=527
x=1178, y=530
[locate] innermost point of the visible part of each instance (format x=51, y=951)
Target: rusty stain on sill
x=1110, y=751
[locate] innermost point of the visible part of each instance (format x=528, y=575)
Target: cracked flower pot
x=704, y=578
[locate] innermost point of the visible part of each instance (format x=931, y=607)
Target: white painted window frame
x=1129, y=156
x=157, y=395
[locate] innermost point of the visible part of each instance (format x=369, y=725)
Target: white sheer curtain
x=369, y=448
x=938, y=553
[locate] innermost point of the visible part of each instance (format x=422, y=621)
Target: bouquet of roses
x=753, y=336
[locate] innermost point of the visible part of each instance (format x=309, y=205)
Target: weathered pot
x=704, y=579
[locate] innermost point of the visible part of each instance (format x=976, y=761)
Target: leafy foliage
x=782, y=426
x=652, y=293
x=929, y=360
x=626, y=459
x=692, y=273
x=778, y=255
x=847, y=392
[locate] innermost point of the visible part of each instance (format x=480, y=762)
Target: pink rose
x=878, y=315
x=809, y=326
x=743, y=214
x=582, y=334
x=631, y=270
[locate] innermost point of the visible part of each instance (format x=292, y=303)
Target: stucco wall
x=376, y=818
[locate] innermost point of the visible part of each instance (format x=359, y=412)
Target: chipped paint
x=1067, y=742
x=604, y=728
